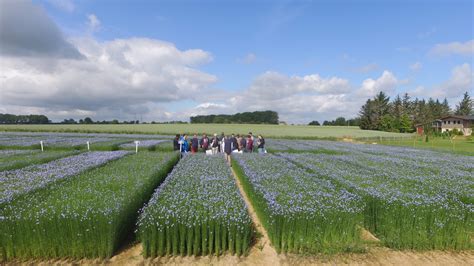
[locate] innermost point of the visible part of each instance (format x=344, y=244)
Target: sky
x=169, y=60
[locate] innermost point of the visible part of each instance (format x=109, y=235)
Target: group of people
x=219, y=144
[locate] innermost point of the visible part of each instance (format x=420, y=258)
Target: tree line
x=23, y=119
x=403, y=113
x=257, y=117
x=340, y=121
x=89, y=120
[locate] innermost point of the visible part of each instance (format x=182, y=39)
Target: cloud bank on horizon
x=45, y=71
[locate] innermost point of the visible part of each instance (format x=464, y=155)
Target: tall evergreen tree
x=366, y=114
x=445, y=109
x=465, y=106
x=430, y=112
x=381, y=108
x=403, y=113
x=406, y=103
x=397, y=112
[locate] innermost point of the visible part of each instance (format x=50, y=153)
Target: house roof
x=462, y=117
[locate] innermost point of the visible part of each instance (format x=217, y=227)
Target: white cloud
x=65, y=5
x=461, y=80
x=386, y=83
x=93, y=23
x=250, y=58
x=416, y=66
x=210, y=105
x=116, y=76
x=273, y=85
x=453, y=48
x=418, y=91
x=296, y=98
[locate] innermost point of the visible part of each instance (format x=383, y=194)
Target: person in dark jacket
x=176, y=143
x=204, y=143
x=243, y=144
x=194, y=144
x=228, y=149
x=235, y=143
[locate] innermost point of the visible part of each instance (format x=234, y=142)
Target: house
x=461, y=123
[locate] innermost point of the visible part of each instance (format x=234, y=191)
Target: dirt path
x=262, y=252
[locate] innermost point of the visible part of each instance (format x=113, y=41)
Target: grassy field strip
x=86, y=216
x=458, y=145
x=274, y=131
x=302, y=214
x=14, y=159
x=421, y=203
x=21, y=181
x=198, y=210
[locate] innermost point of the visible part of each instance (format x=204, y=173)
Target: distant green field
x=458, y=145
x=268, y=131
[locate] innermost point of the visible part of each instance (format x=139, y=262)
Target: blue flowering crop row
x=302, y=212
x=88, y=215
x=20, y=140
x=413, y=199
x=144, y=143
x=21, y=181
x=198, y=210
x=14, y=159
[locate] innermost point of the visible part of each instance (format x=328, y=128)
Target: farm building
x=461, y=123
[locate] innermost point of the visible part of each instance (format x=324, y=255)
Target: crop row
x=198, y=210
x=87, y=215
x=13, y=134
x=410, y=202
x=301, y=212
x=14, y=159
x=6, y=153
x=30, y=178
x=27, y=139
x=143, y=143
